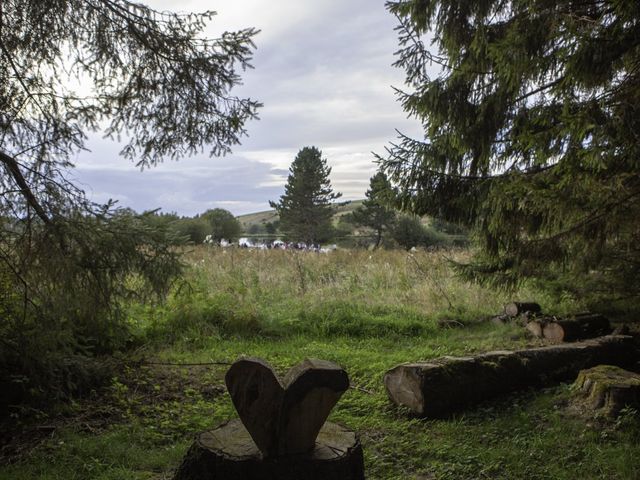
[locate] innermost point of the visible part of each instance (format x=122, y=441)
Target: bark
x=229, y=453
x=578, y=328
x=439, y=387
x=27, y=193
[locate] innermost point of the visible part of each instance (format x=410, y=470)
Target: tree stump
x=607, y=389
x=229, y=453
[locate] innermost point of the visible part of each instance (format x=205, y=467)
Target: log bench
x=437, y=388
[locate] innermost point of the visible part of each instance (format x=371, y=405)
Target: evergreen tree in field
x=375, y=212
x=305, y=209
x=531, y=124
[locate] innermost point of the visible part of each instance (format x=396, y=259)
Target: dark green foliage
x=448, y=227
x=195, y=229
x=149, y=73
x=531, y=130
x=64, y=289
x=272, y=227
x=305, y=209
x=375, y=212
x=222, y=224
x=68, y=266
x=255, y=229
x=155, y=218
x=409, y=232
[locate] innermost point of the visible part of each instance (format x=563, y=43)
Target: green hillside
x=270, y=215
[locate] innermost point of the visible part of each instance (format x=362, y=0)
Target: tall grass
x=346, y=292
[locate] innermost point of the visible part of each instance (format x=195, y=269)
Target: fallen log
x=514, y=309
x=577, y=328
x=229, y=453
x=442, y=386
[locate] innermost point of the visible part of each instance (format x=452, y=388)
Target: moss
x=607, y=389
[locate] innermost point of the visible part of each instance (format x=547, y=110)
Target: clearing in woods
x=366, y=311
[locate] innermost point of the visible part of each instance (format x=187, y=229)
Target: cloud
x=323, y=71
x=187, y=187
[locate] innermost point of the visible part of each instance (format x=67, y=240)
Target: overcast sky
x=323, y=71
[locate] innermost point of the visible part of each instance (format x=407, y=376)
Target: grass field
x=366, y=311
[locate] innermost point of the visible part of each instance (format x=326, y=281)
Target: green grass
x=366, y=312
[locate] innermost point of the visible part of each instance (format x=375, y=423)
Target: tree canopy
x=305, y=209
x=531, y=135
x=150, y=79
x=222, y=224
x=375, y=212
x=69, y=68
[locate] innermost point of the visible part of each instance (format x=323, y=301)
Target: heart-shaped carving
x=284, y=418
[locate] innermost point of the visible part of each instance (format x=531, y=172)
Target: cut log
x=605, y=390
x=439, y=387
x=229, y=453
x=578, y=328
x=536, y=327
x=514, y=309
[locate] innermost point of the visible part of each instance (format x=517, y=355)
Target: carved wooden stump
x=607, y=389
x=229, y=453
x=281, y=433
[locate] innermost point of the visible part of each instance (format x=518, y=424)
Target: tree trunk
x=378, y=239
x=514, y=309
x=229, y=453
x=578, y=328
x=439, y=387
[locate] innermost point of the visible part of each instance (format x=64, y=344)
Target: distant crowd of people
x=271, y=245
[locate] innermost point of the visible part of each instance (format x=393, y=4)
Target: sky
x=322, y=69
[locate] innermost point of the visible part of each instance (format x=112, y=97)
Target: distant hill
x=436, y=233
x=260, y=218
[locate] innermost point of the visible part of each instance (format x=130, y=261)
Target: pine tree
x=305, y=209
x=374, y=212
x=67, y=68
x=531, y=136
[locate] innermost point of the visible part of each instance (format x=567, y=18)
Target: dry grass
x=423, y=282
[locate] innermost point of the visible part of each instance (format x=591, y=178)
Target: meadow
x=366, y=311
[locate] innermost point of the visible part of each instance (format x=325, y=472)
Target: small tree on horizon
x=409, y=232
x=374, y=213
x=222, y=224
x=305, y=209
